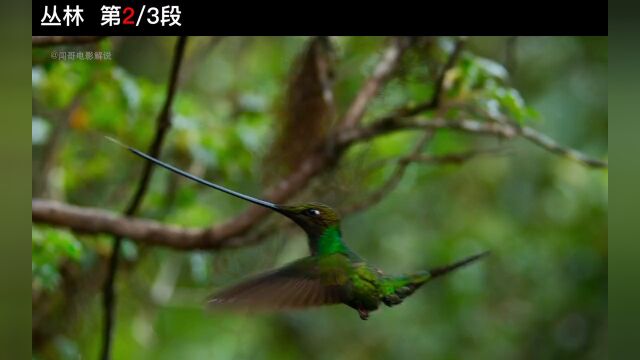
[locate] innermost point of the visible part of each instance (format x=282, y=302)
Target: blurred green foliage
x=50, y=247
x=543, y=293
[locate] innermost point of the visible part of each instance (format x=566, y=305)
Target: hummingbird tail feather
x=439, y=271
x=403, y=286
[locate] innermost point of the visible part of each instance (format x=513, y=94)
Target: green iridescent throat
x=330, y=242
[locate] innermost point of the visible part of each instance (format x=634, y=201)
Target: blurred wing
x=297, y=285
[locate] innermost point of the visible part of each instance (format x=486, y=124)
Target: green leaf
x=50, y=247
x=491, y=68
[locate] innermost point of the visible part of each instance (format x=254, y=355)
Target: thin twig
x=453, y=158
x=388, y=63
x=390, y=125
x=551, y=145
x=393, y=181
x=544, y=141
x=162, y=126
x=438, y=92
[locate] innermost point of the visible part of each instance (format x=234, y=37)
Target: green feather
x=330, y=242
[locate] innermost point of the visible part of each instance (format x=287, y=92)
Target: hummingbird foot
x=364, y=314
x=391, y=300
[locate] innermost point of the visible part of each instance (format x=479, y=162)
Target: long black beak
x=199, y=180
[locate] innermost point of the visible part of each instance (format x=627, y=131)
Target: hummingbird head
x=313, y=217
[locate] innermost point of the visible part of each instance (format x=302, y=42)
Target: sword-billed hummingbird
x=333, y=273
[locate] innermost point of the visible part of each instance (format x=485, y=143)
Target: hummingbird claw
x=364, y=314
x=391, y=300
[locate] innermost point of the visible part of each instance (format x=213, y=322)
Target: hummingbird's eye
x=313, y=212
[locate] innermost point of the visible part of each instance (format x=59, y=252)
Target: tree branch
x=501, y=129
x=388, y=63
x=452, y=158
x=393, y=124
x=162, y=126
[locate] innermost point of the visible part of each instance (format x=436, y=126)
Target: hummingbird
x=332, y=274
